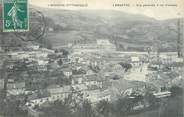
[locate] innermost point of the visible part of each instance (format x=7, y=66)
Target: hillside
x=128, y=31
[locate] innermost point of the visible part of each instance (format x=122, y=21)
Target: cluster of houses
x=85, y=81
x=89, y=84
x=77, y=91
x=91, y=69
x=36, y=58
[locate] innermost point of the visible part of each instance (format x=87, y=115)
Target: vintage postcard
x=91, y=58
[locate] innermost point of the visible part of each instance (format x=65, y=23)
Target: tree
x=104, y=108
x=175, y=90
x=56, y=51
x=124, y=106
x=10, y=107
x=151, y=99
x=57, y=109
x=65, y=52
x=60, y=62
x=173, y=107
x=138, y=98
x=126, y=66
x=86, y=110
x=116, y=77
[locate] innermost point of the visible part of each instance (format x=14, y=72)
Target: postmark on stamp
x=37, y=26
x=15, y=15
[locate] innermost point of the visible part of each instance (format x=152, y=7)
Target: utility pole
x=179, y=38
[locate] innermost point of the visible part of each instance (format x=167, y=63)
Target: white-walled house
x=67, y=72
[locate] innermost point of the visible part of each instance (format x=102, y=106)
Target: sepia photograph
x=86, y=58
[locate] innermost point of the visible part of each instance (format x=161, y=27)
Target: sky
x=166, y=9
x=158, y=12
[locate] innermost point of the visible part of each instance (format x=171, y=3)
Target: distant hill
x=127, y=31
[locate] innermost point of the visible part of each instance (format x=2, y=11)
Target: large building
x=100, y=45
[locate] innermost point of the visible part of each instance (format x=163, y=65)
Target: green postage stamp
x=15, y=15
